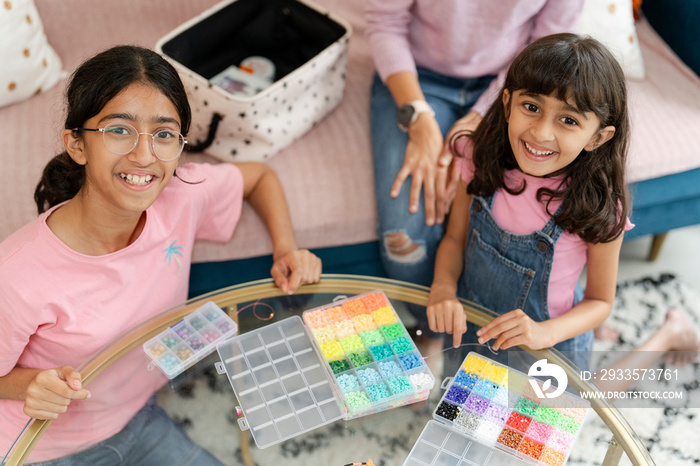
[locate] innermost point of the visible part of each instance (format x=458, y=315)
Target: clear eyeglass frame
x=134, y=141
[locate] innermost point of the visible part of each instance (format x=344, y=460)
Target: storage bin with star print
x=259, y=74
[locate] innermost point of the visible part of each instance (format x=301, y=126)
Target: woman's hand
x=296, y=268
x=51, y=391
x=420, y=163
x=515, y=328
x=446, y=314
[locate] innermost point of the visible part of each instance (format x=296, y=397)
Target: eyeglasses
x=122, y=138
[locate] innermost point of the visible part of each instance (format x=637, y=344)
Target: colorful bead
x=361, y=358
x=531, y=448
x=518, y=422
x=212, y=314
x=354, y=307
x=389, y=369
x=485, y=388
x=332, y=350
x=488, y=431
x=372, y=337
x=399, y=385
x=169, y=362
x=474, y=364
x=224, y=326
x=476, y=404
x=196, y=342
x=497, y=414
x=401, y=345
x=184, y=353
x=467, y=421
x=501, y=397
x=421, y=380
x=378, y=392
x=369, y=376
x=197, y=322
x=323, y=334
x=466, y=380
x=343, y=328
x=335, y=314
x=457, y=394
x=210, y=334
x=510, y=438
x=157, y=349
x=549, y=416
x=561, y=441
x=364, y=322
x=539, y=432
x=515, y=381
x=568, y=424
x=447, y=410
x=316, y=318
x=494, y=373
x=381, y=352
x=552, y=457
x=410, y=361
x=348, y=382
x=357, y=399
x=526, y=407
x=384, y=316
x=393, y=331
x=352, y=343
x=339, y=366
x=170, y=341
x=374, y=301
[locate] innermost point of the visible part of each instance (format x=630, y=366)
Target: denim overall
x=504, y=271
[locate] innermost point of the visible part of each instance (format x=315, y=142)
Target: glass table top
x=257, y=306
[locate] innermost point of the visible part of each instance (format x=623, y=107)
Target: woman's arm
x=292, y=267
x=516, y=328
x=46, y=393
x=445, y=313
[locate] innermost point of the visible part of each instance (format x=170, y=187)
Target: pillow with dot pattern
x=612, y=23
x=28, y=63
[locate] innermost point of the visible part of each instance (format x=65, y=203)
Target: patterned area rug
x=206, y=407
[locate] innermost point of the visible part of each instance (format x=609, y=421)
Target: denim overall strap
x=505, y=271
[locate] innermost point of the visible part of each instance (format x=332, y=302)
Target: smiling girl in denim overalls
x=543, y=194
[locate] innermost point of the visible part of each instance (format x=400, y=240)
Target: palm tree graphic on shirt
x=172, y=252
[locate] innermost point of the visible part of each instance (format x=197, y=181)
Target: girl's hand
x=512, y=329
x=296, y=268
x=51, y=391
x=446, y=314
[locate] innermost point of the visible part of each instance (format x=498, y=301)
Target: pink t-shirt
x=58, y=307
x=522, y=214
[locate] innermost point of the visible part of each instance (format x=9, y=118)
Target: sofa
x=327, y=173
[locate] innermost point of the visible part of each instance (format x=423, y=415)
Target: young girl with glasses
x=543, y=194
x=111, y=248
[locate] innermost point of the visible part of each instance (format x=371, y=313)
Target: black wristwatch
x=409, y=113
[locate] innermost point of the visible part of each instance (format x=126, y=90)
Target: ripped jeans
x=408, y=246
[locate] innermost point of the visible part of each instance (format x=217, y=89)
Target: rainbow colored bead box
x=346, y=359
x=189, y=341
x=491, y=414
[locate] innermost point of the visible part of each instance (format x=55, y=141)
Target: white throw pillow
x=612, y=23
x=28, y=64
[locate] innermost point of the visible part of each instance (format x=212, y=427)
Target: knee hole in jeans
x=401, y=248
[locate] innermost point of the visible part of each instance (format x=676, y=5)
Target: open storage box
x=350, y=358
x=307, y=48
x=491, y=415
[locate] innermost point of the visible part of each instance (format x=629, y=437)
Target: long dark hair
x=97, y=81
x=566, y=66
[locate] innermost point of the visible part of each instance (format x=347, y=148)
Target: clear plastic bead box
x=189, y=341
x=491, y=415
x=372, y=357
x=291, y=377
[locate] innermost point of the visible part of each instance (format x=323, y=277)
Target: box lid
x=280, y=382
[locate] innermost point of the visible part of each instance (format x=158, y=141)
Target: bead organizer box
x=373, y=359
x=190, y=340
x=498, y=407
x=294, y=375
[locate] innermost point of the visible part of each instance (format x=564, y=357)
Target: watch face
x=404, y=115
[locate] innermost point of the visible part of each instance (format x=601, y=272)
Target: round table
x=259, y=303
